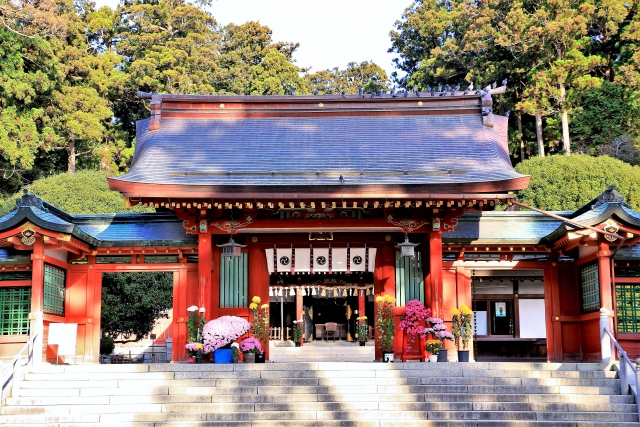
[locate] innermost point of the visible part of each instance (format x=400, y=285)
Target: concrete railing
x=14, y=370
x=628, y=371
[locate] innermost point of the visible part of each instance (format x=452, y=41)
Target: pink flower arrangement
x=222, y=331
x=437, y=328
x=251, y=344
x=415, y=311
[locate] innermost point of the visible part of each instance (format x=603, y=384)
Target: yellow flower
x=467, y=311
x=199, y=346
x=379, y=299
x=253, y=306
x=264, y=306
x=464, y=307
x=362, y=318
x=389, y=298
x=256, y=299
x=455, y=312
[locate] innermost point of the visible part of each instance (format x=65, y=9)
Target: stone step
x=344, y=423
x=323, y=366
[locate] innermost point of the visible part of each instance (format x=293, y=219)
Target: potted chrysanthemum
x=433, y=346
x=195, y=325
x=250, y=347
x=260, y=324
x=235, y=352
x=220, y=333
x=362, y=330
x=385, y=325
x=462, y=330
x=438, y=330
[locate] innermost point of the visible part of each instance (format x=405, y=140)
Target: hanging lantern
x=313, y=291
x=292, y=292
x=270, y=292
x=231, y=249
x=407, y=249
x=324, y=293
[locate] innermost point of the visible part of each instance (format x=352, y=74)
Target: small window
x=15, y=305
x=234, y=281
x=54, y=290
x=628, y=307
x=409, y=279
x=590, y=285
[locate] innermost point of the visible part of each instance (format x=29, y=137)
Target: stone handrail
x=608, y=343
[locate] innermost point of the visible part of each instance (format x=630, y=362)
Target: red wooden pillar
x=604, y=276
x=180, y=315
x=258, y=279
x=204, y=273
x=384, y=281
x=37, y=276
x=434, y=278
x=552, y=309
x=361, y=307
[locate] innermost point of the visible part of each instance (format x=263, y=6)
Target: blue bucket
x=222, y=355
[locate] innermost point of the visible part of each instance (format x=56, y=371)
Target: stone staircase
x=321, y=394
x=323, y=351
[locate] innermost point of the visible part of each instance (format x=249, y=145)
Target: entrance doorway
x=509, y=314
x=321, y=299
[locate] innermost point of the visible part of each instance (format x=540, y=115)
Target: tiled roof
x=315, y=151
x=501, y=228
x=628, y=253
x=159, y=229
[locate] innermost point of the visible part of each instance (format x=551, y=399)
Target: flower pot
x=198, y=360
x=234, y=359
x=362, y=343
x=463, y=355
x=249, y=357
x=297, y=343
x=433, y=358
x=222, y=355
x=442, y=355
x=260, y=358
x=387, y=356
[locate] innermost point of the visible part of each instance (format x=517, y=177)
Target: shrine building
x=315, y=203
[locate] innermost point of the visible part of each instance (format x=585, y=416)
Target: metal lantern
x=407, y=249
x=231, y=249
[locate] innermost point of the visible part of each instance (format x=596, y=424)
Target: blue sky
x=331, y=33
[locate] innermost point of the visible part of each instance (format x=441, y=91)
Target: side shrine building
x=315, y=194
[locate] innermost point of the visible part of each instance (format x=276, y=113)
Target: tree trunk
x=566, y=143
x=520, y=136
x=71, y=162
x=539, y=135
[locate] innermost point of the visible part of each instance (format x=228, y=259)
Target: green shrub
x=107, y=345
x=569, y=182
x=79, y=193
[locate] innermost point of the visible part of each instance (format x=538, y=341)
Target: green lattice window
x=234, y=281
x=161, y=259
x=409, y=278
x=54, y=287
x=590, y=288
x=628, y=307
x=15, y=305
x=119, y=259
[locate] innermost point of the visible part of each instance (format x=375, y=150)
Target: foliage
x=385, y=325
x=362, y=329
x=366, y=75
x=568, y=183
x=551, y=52
x=260, y=320
x=222, y=331
x=79, y=193
x=461, y=325
x=235, y=350
x=607, y=122
x=415, y=313
x=107, y=345
x=131, y=302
